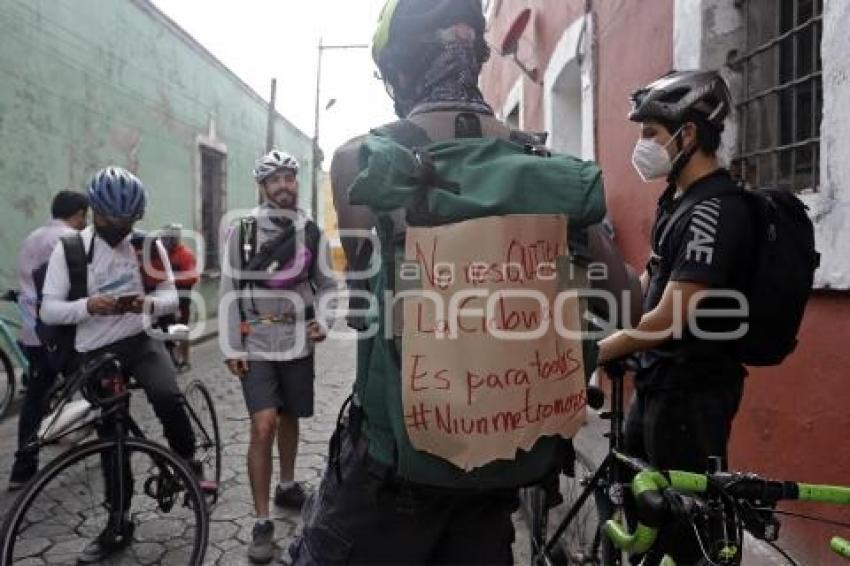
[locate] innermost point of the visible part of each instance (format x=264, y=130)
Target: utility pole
x=317, y=166
x=270, y=123
x=314, y=196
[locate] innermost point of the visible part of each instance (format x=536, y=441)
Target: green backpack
x=408, y=181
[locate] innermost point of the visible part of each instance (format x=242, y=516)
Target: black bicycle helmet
x=675, y=96
x=403, y=22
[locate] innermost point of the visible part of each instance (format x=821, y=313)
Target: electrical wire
x=805, y=517
x=784, y=554
x=701, y=544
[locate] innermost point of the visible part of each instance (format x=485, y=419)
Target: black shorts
x=285, y=386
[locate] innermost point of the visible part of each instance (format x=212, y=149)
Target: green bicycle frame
x=10, y=344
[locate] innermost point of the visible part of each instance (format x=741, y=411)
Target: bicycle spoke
x=67, y=507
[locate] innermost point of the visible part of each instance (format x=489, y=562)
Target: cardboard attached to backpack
x=491, y=356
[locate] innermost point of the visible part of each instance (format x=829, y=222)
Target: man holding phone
x=110, y=318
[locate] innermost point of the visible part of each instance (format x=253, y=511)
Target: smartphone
x=125, y=303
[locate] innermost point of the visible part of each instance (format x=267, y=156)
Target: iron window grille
x=213, y=173
x=780, y=111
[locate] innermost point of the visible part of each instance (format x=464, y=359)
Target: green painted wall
x=89, y=83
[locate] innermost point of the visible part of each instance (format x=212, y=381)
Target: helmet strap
x=682, y=158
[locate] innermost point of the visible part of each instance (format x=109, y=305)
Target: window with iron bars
x=780, y=110
x=213, y=176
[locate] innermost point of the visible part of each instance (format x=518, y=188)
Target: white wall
x=514, y=101
x=568, y=92
x=831, y=205
x=705, y=31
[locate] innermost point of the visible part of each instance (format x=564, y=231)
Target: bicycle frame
x=115, y=411
x=10, y=344
x=608, y=476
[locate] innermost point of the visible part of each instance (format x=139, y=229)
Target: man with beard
x=110, y=319
x=271, y=289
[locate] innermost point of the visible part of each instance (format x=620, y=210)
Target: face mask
x=113, y=235
x=651, y=160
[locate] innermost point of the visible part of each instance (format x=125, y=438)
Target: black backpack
x=58, y=340
x=782, y=270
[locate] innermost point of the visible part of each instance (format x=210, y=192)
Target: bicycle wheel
x=66, y=506
x=581, y=542
x=533, y=505
x=7, y=383
x=204, y=421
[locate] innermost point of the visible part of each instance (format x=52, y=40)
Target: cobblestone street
x=233, y=515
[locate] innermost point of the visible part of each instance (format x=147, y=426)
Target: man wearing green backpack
x=384, y=498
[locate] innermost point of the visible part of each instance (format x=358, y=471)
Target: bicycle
x=591, y=532
x=591, y=495
x=719, y=506
x=95, y=485
x=11, y=356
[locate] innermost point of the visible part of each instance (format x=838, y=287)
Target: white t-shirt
x=34, y=252
x=112, y=271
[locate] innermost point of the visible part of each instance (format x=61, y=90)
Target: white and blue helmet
x=273, y=162
x=117, y=193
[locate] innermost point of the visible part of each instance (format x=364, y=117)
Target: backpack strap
x=77, y=260
x=468, y=125
x=405, y=133
x=247, y=240
x=689, y=201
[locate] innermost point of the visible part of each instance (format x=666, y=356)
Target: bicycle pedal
x=605, y=415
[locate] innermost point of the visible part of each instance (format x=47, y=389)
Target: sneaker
x=106, y=544
x=15, y=484
x=261, y=550
x=292, y=496
x=20, y=476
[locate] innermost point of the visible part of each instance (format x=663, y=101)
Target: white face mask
x=651, y=159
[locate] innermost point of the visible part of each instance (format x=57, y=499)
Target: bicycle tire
x=7, y=394
x=203, y=439
x=536, y=516
x=155, y=451
x=582, y=543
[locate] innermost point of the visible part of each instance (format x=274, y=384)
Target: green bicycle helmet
x=402, y=22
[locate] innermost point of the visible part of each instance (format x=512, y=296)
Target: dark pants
x=370, y=518
x=42, y=376
x=679, y=430
x=148, y=362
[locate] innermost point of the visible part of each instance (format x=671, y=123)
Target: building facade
x=88, y=84
x=788, y=63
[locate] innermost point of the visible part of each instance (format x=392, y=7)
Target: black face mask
x=113, y=235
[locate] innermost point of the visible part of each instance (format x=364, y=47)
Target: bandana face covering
x=452, y=75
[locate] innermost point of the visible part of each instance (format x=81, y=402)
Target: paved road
x=233, y=515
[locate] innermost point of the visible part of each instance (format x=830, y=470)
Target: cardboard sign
x=487, y=366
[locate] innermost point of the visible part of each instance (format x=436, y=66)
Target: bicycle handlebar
x=840, y=546
x=10, y=296
x=664, y=496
